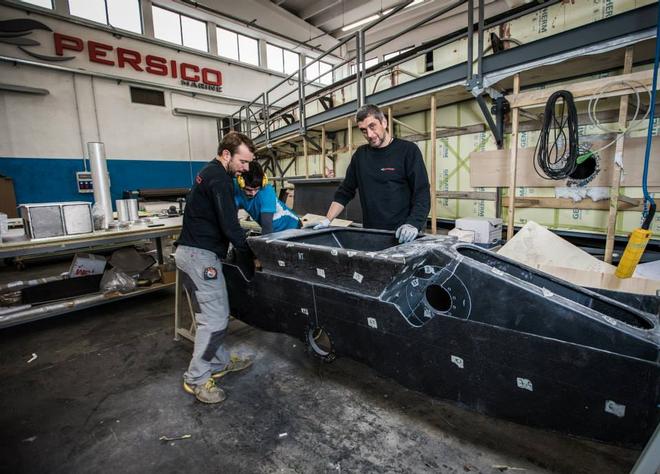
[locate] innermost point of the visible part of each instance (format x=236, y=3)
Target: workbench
x=20, y=246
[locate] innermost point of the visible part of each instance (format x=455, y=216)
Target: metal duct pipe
x=100, y=180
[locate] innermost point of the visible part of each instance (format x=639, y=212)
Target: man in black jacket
x=391, y=177
x=210, y=224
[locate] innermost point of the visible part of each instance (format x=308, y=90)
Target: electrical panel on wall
x=84, y=182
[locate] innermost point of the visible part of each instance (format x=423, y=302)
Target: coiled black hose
x=556, y=158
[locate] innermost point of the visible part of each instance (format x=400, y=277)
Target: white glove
x=406, y=233
x=322, y=225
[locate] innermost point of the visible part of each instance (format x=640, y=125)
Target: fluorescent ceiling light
x=415, y=2
x=360, y=22
x=376, y=16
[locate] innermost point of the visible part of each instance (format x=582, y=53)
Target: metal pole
x=301, y=93
x=100, y=181
x=266, y=116
x=480, y=51
x=358, y=92
x=248, y=122
x=362, y=76
x=470, y=38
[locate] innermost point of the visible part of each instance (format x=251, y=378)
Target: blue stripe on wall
x=54, y=179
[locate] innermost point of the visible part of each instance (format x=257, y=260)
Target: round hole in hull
x=320, y=343
x=438, y=298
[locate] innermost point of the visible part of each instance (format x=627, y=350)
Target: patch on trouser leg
x=210, y=273
x=191, y=289
x=214, y=343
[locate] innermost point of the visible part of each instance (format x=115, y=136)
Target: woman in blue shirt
x=253, y=193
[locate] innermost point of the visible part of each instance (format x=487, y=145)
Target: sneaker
x=207, y=392
x=236, y=363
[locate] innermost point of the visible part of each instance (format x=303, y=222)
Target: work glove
x=406, y=233
x=322, y=225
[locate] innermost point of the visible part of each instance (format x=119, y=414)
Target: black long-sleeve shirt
x=210, y=219
x=393, y=184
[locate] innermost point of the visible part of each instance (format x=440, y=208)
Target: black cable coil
x=557, y=159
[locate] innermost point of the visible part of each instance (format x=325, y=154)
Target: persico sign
x=101, y=53
x=32, y=37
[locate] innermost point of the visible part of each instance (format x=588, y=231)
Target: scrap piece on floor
x=130, y=261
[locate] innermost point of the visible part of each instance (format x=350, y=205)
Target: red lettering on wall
x=97, y=52
x=63, y=42
x=211, y=77
x=156, y=65
x=130, y=57
x=184, y=72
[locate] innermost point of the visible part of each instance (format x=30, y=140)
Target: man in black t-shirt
x=392, y=179
x=210, y=224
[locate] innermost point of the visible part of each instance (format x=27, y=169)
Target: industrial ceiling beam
x=316, y=8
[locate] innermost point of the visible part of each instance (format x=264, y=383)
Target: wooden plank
x=323, y=148
x=583, y=90
x=491, y=168
x=629, y=204
x=606, y=281
x=349, y=132
x=306, y=155
x=616, y=169
x=476, y=195
x=389, y=121
x=434, y=204
x=513, y=161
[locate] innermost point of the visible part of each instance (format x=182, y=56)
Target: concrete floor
x=107, y=384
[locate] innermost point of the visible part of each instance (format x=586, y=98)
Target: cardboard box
x=87, y=264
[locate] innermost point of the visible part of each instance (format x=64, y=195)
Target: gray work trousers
x=203, y=279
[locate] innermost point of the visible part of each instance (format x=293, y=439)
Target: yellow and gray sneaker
x=236, y=364
x=207, y=392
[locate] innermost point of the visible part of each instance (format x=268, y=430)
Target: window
x=367, y=64
x=274, y=58
x=248, y=50
x=237, y=47
x=90, y=9
x=124, y=14
x=227, y=44
x=291, y=62
x=395, y=53
x=315, y=69
x=180, y=29
x=326, y=70
x=194, y=33
x=40, y=3
x=281, y=60
x=147, y=96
